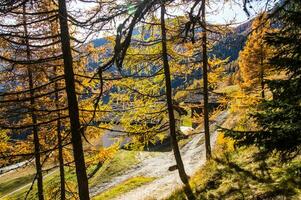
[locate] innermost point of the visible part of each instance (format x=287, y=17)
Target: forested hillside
x=150, y=99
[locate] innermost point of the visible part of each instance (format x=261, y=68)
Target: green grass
x=122, y=161
x=183, y=142
x=49, y=182
x=124, y=187
x=11, y=185
x=187, y=121
x=243, y=174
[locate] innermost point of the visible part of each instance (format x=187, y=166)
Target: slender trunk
x=60, y=142
x=205, y=82
x=76, y=131
x=33, y=115
x=262, y=74
x=172, y=122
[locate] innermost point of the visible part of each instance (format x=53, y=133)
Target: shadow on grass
x=230, y=180
x=235, y=168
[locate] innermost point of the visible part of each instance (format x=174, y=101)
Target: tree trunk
x=205, y=82
x=33, y=115
x=60, y=142
x=76, y=131
x=262, y=74
x=172, y=122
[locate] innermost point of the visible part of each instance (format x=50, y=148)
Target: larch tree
x=143, y=13
x=76, y=130
x=37, y=148
x=48, y=49
x=58, y=101
x=197, y=29
x=253, y=58
x=170, y=108
x=205, y=79
x=278, y=118
x=23, y=107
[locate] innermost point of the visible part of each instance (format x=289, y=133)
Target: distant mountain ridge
x=227, y=47
x=232, y=43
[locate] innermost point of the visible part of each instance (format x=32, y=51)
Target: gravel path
x=193, y=155
x=10, y=168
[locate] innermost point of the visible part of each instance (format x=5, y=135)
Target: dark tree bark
x=32, y=113
x=60, y=142
x=205, y=81
x=172, y=121
x=76, y=131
